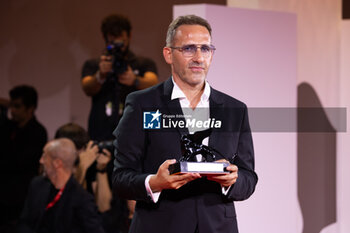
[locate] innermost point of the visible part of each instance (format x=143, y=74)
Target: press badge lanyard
x=56, y=199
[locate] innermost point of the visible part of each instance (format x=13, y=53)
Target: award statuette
x=192, y=149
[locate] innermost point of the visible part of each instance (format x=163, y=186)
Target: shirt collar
x=177, y=93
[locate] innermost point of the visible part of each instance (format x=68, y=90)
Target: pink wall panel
x=343, y=162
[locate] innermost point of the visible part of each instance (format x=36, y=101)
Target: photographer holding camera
x=90, y=171
x=93, y=178
x=109, y=79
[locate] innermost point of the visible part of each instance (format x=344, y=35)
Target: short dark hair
x=74, y=132
x=185, y=20
x=114, y=25
x=26, y=93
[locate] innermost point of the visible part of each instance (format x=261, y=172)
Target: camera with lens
x=108, y=145
x=119, y=63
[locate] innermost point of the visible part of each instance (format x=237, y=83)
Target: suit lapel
x=173, y=106
x=216, y=112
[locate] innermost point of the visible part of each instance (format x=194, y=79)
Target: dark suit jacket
x=200, y=203
x=74, y=212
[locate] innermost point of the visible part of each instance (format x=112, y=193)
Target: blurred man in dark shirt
x=22, y=139
x=111, y=77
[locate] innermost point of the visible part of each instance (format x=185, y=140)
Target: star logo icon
x=156, y=115
x=152, y=120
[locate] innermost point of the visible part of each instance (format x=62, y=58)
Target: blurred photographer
x=91, y=172
x=109, y=79
x=93, y=178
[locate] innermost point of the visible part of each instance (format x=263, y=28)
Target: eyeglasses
x=191, y=49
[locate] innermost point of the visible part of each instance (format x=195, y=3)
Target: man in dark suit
x=57, y=203
x=145, y=147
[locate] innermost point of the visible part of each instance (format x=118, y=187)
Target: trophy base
x=199, y=167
